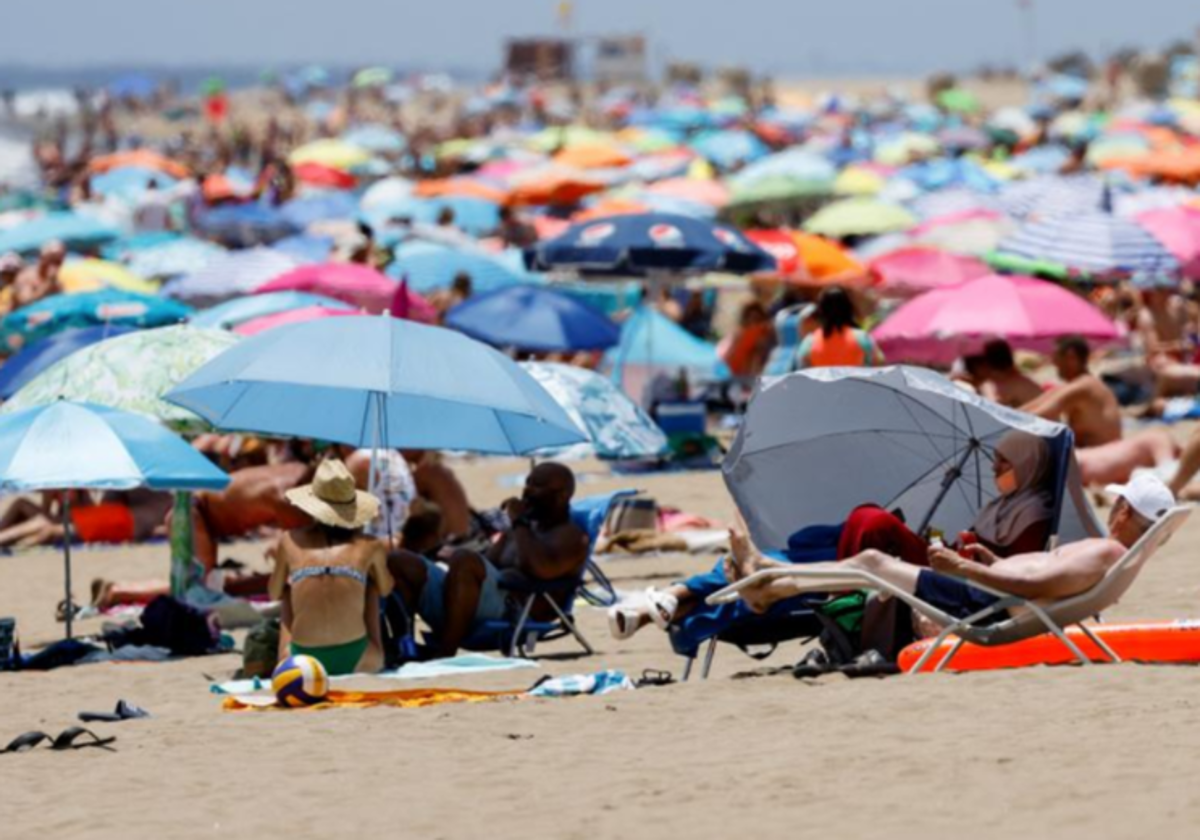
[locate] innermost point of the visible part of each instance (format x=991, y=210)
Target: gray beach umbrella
x=818, y=443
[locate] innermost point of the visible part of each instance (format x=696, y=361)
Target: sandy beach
x=1106, y=751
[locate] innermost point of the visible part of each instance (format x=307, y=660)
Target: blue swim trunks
x=493, y=602
x=952, y=596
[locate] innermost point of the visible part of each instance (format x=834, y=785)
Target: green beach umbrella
x=959, y=101
x=1012, y=264
x=130, y=372
x=859, y=217
x=373, y=77
x=779, y=189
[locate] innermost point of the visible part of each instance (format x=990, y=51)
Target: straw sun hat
x=332, y=498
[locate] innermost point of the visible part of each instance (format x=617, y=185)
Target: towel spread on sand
x=470, y=663
x=601, y=682
x=406, y=699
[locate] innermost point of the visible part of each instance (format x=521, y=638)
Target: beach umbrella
x=945, y=202
x=244, y=225
x=798, y=164
x=1178, y=229
x=461, y=186
x=476, y=216
x=291, y=316
x=78, y=446
x=335, y=154
x=129, y=183
x=859, y=217
x=240, y=310
x=72, y=229
x=373, y=77
x=1051, y=195
x=21, y=367
x=903, y=438
x=109, y=306
x=386, y=191
x=914, y=270
x=600, y=156
x=694, y=190
x=964, y=138
x=129, y=372
x=940, y=326
x=141, y=158
x=1092, y=242
x=378, y=382
x=859, y=181
x=970, y=232
x=653, y=345
x=959, y=101
x=616, y=427
x=729, y=148
x=534, y=318
x=376, y=138
x=942, y=173
x=319, y=175
x=776, y=189
x=172, y=258
x=132, y=86
x=90, y=275
x=648, y=243
x=806, y=259
x=305, y=248
x=309, y=209
x=229, y=275
x=358, y=285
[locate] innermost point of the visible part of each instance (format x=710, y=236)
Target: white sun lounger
x=1032, y=618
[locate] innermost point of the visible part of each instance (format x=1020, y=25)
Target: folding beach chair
x=522, y=634
x=1033, y=618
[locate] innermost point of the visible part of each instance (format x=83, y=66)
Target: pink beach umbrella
x=292, y=316
x=939, y=326
x=1178, y=229
x=357, y=285
x=913, y=271
x=700, y=191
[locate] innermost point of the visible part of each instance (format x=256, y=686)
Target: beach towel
x=406, y=699
x=601, y=682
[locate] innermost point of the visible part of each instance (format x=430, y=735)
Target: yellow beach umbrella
x=90, y=275
x=858, y=180
x=336, y=154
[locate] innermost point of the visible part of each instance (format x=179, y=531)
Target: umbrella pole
x=66, y=522
x=952, y=475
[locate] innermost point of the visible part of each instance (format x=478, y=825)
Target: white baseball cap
x=1147, y=494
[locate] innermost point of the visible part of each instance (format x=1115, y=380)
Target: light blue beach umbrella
x=72, y=229
x=429, y=267
x=305, y=248
x=231, y=313
x=377, y=382
x=74, y=446
x=229, y=275
x=130, y=183
x=108, y=306
x=172, y=258
x=617, y=427
x=321, y=207
x=376, y=138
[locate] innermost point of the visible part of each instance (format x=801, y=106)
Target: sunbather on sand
x=542, y=543
x=119, y=517
x=330, y=576
x=1018, y=520
x=1066, y=571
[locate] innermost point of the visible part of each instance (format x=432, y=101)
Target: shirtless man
x=438, y=484
x=1084, y=403
x=330, y=576
x=1066, y=571
x=1162, y=322
x=255, y=498
x=542, y=543
x=1002, y=381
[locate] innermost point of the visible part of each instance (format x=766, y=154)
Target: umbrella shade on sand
x=76, y=446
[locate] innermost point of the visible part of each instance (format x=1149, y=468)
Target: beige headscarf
x=1002, y=520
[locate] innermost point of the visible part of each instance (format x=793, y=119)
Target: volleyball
x=299, y=681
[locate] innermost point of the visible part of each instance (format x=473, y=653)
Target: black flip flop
x=653, y=677
x=814, y=664
x=871, y=663
x=66, y=740
x=124, y=711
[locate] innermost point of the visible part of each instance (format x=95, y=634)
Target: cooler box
x=681, y=418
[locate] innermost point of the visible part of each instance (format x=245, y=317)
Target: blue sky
x=787, y=37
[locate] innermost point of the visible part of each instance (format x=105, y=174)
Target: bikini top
x=327, y=571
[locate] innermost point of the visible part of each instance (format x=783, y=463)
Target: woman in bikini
x=330, y=576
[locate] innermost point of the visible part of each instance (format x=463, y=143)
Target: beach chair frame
x=1034, y=619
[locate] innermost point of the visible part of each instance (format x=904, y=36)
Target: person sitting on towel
x=1018, y=520
x=330, y=576
x=541, y=542
x=1068, y=570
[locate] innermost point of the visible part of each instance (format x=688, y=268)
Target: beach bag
x=858, y=622
x=260, y=653
x=182, y=629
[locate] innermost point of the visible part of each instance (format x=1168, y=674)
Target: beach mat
x=406, y=699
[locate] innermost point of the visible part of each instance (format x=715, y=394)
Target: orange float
x=1155, y=642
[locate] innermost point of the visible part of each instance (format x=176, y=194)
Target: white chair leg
x=1098, y=642
x=932, y=649
x=1058, y=632
x=937, y=669
x=709, y=654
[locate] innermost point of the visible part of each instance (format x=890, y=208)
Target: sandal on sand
x=124, y=711
x=814, y=664
x=870, y=663
x=66, y=740
x=623, y=621
x=662, y=608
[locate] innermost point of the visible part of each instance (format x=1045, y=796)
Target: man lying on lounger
x=1066, y=571
x=542, y=542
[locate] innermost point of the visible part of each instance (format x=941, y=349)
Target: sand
x=1109, y=751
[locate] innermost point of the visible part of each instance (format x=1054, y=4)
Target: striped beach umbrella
x=1090, y=242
